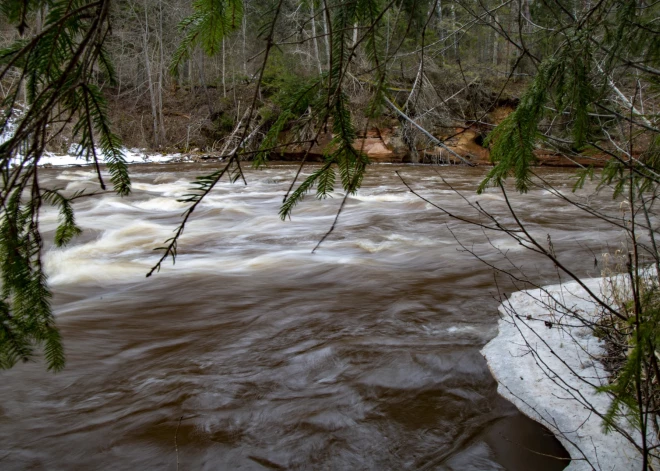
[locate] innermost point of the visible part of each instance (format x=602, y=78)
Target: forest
x=175, y=87
x=335, y=86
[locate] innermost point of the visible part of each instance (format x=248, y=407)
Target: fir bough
x=57, y=68
x=513, y=140
x=210, y=23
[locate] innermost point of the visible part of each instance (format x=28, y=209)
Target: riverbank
x=546, y=363
x=142, y=156
x=132, y=156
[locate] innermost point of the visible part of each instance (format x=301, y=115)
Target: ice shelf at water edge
x=537, y=369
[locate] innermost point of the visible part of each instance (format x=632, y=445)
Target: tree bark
x=315, y=40
x=150, y=81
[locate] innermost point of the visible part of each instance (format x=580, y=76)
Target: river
x=253, y=353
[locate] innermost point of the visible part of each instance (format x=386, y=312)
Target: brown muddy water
x=252, y=353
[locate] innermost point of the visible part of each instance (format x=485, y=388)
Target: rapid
x=253, y=353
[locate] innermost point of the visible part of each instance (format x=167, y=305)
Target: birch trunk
x=315, y=40
x=150, y=81
x=327, y=36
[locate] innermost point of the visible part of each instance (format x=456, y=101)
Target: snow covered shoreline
x=132, y=156
x=543, y=361
x=51, y=159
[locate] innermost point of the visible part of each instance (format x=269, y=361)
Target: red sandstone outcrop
x=384, y=145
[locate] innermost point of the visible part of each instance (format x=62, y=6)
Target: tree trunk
x=224, y=85
x=150, y=81
x=245, y=71
x=453, y=29
x=315, y=40
x=495, y=43
x=327, y=36
x=161, y=70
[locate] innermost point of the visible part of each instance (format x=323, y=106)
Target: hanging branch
x=206, y=183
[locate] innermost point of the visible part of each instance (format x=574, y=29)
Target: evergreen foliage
x=638, y=329
x=513, y=141
x=298, y=102
x=574, y=84
x=56, y=65
x=210, y=23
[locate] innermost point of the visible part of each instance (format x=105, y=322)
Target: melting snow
x=72, y=158
x=130, y=155
x=533, y=381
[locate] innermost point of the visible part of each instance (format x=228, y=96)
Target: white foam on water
x=227, y=205
x=113, y=257
x=99, y=261
x=398, y=237
x=485, y=196
x=160, y=204
x=460, y=329
x=313, y=357
x=76, y=175
x=173, y=189
x=386, y=197
x=507, y=244
x=115, y=205
x=419, y=240
x=67, y=270
x=373, y=247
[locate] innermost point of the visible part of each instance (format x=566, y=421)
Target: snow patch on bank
x=132, y=156
x=565, y=350
x=72, y=157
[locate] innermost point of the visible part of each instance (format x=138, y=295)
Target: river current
x=253, y=353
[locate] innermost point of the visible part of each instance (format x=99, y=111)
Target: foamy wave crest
x=160, y=204
x=114, y=257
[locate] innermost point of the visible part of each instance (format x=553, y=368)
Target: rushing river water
x=253, y=353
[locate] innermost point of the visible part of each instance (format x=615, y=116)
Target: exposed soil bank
x=385, y=146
